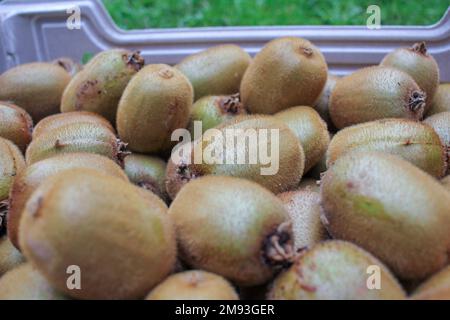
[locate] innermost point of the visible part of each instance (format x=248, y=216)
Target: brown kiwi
x=147, y=172
x=11, y=163
x=29, y=179
x=437, y=287
x=303, y=207
x=441, y=101
x=122, y=240
x=322, y=104
x=16, y=125
x=234, y=228
x=99, y=86
x=310, y=129
x=26, y=283
x=156, y=102
x=287, y=72
x=440, y=122
x=193, y=285
x=216, y=71
x=10, y=257
x=375, y=93
x=390, y=208
x=411, y=140
x=75, y=137
x=290, y=163
x=420, y=65
x=62, y=119
x=69, y=65
x=35, y=87
x=335, y=270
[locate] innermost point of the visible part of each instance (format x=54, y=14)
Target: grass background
x=138, y=14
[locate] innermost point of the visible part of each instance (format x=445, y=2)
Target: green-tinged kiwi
x=235, y=149
x=69, y=65
x=336, y=270
x=26, y=283
x=10, y=257
x=11, y=163
x=156, y=102
x=62, y=119
x=322, y=104
x=234, y=228
x=75, y=137
x=440, y=122
x=391, y=208
x=441, y=101
x=216, y=71
x=147, y=172
x=35, y=87
x=99, y=86
x=193, y=285
x=121, y=239
x=375, y=93
x=446, y=182
x=215, y=110
x=303, y=207
x=287, y=72
x=437, y=287
x=29, y=179
x=310, y=129
x=411, y=140
x=420, y=65
x=16, y=125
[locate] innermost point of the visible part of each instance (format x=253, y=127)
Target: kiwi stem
x=135, y=60
x=3, y=212
x=417, y=101
x=231, y=104
x=278, y=247
x=122, y=152
x=420, y=47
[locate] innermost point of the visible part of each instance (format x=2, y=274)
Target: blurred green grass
x=138, y=14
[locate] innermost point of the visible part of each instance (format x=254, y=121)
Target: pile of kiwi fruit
x=87, y=178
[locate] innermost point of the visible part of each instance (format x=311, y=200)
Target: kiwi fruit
x=437, y=287
x=99, y=86
x=75, y=137
x=303, y=207
x=36, y=87
x=10, y=257
x=446, y=182
x=26, y=283
x=27, y=181
x=193, y=285
x=441, y=101
x=147, y=172
x=16, y=125
x=440, y=122
x=123, y=242
x=69, y=65
x=287, y=72
x=375, y=93
x=322, y=104
x=215, y=110
x=310, y=129
x=420, y=65
x=11, y=163
x=334, y=270
x=234, y=228
x=61, y=119
x=411, y=140
x=216, y=71
x=291, y=157
x=391, y=208
x=156, y=102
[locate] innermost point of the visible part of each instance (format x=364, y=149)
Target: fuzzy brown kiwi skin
x=99, y=86
x=30, y=178
x=446, y=182
x=440, y=122
x=287, y=72
x=441, y=101
x=15, y=125
x=259, y=234
x=61, y=119
x=51, y=243
x=35, y=87
x=420, y=65
x=216, y=71
x=413, y=141
x=11, y=164
x=156, y=102
x=375, y=93
x=373, y=199
x=437, y=287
